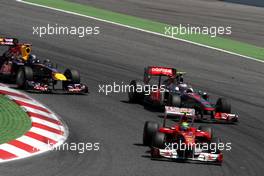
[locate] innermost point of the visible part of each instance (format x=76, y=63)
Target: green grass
x=14, y=122
x=153, y=26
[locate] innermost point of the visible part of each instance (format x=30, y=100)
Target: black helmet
x=33, y=59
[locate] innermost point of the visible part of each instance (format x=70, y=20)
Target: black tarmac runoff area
x=119, y=55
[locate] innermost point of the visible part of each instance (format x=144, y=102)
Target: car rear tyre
x=150, y=128
x=158, y=140
x=214, y=145
x=133, y=95
x=222, y=105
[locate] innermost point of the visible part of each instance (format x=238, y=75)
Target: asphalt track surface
x=246, y=21
x=120, y=54
x=258, y=3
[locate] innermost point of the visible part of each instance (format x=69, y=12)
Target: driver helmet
x=33, y=59
x=189, y=90
x=184, y=126
x=183, y=87
x=173, y=88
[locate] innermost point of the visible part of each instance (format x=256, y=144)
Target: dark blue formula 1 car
x=18, y=65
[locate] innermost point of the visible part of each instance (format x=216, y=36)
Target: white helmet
x=189, y=90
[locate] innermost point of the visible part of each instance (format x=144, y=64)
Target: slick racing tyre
x=214, y=145
x=150, y=128
x=158, y=140
x=222, y=105
x=24, y=74
x=133, y=95
x=73, y=77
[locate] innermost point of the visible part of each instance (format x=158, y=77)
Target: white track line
x=142, y=30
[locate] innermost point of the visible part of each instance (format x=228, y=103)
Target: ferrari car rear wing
x=187, y=113
x=8, y=41
x=175, y=111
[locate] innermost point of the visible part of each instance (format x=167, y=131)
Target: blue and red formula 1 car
x=18, y=65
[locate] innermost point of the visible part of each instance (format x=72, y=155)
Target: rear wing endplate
x=8, y=41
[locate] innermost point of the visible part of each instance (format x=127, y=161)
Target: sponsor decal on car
x=160, y=70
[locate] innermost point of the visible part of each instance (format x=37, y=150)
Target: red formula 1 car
x=182, y=141
x=164, y=86
x=18, y=65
